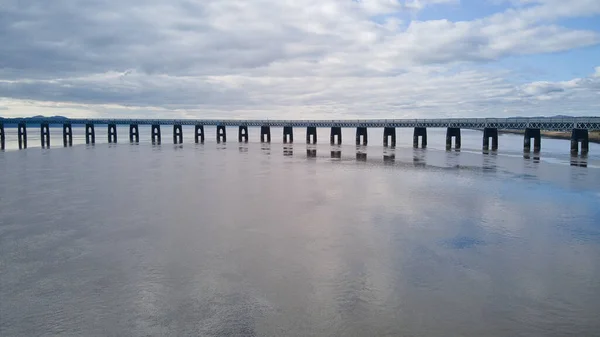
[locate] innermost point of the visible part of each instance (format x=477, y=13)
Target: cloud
x=299, y=59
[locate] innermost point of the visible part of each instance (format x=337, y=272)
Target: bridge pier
x=112, y=133
x=67, y=134
x=45, y=134
x=537, y=140
x=177, y=134
x=199, y=133
x=580, y=135
x=265, y=133
x=336, y=131
x=155, y=133
x=389, y=134
x=243, y=134
x=2, y=137
x=90, y=134
x=134, y=133
x=361, y=131
x=22, y=133
x=487, y=134
x=311, y=131
x=420, y=132
x=221, y=134
x=453, y=132
x=288, y=134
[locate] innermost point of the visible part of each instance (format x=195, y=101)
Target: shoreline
x=594, y=136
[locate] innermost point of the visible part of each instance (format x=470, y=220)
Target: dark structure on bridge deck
x=537, y=140
x=288, y=134
x=90, y=134
x=45, y=134
x=453, y=133
x=311, y=132
x=134, y=133
x=336, y=131
x=177, y=134
x=420, y=132
x=112, y=133
x=221, y=134
x=580, y=136
x=487, y=134
x=265, y=134
x=389, y=136
x=243, y=134
x=67, y=134
x=361, y=132
x=199, y=133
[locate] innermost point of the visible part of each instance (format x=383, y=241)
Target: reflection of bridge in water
x=578, y=126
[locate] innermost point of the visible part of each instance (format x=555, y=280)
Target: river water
x=279, y=240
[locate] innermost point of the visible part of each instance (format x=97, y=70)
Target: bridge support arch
x=45, y=135
x=22, y=134
x=155, y=134
x=420, y=132
x=361, y=132
x=243, y=134
x=537, y=140
x=487, y=134
x=134, y=133
x=453, y=133
x=221, y=134
x=177, y=134
x=389, y=136
x=311, y=131
x=577, y=136
x=90, y=134
x=288, y=134
x=265, y=133
x=67, y=134
x=199, y=133
x=336, y=131
x=112, y=133
x=2, y=137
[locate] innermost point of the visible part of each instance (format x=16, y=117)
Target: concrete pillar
x=311, y=131
x=112, y=133
x=243, y=134
x=537, y=140
x=67, y=135
x=2, y=137
x=265, y=133
x=361, y=131
x=134, y=133
x=391, y=134
x=288, y=134
x=580, y=135
x=336, y=131
x=199, y=134
x=420, y=132
x=221, y=134
x=155, y=133
x=22, y=133
x=90, y=134
x=450, y=133
x=45, y=135
x=177, y=134
x=487, y=134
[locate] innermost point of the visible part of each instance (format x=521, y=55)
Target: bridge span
x=578, y=126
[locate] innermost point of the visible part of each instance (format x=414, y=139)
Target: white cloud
x=298, y=59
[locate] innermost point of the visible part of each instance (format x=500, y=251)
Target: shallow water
x=273, y=240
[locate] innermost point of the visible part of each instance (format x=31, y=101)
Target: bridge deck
x=558, y=124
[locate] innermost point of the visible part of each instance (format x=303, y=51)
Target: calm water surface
x=274, y=240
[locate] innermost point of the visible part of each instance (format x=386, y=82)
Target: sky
x=299, y=59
